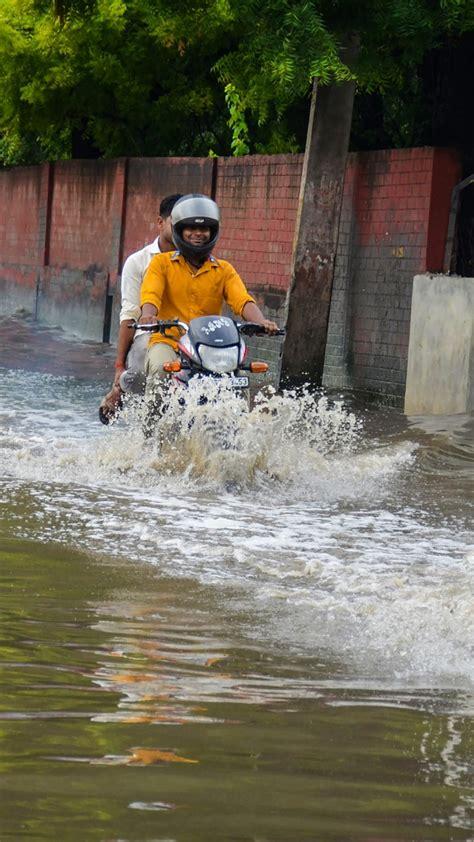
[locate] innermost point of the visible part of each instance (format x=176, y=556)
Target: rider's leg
x=133, y=378
x=156, y=355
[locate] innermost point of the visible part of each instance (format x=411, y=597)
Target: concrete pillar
x=309, y=296
x=440, y=375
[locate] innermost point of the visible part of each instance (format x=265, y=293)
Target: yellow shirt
x=179, y=292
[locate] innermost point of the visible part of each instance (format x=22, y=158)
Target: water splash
x=303, y=441
x=209, y=432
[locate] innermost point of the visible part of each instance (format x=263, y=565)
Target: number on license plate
x=239, y=382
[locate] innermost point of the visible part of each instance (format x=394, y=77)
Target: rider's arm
x=124, y=340
x=149, y=314
x=252, y=313
x=242, y=303
x=131, y=281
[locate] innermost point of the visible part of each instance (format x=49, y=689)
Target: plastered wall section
x=81, y=253
x=23, y=192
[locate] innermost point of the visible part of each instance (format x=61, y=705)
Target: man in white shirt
x=132, y=344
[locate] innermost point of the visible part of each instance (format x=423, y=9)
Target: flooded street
x=271, y=642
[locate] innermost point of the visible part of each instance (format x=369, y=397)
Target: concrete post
x=440, y=375
x=315, y=251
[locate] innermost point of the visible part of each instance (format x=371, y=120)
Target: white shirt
x=133, y=273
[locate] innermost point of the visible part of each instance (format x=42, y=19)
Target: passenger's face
x=164, y=228
x=196, y=235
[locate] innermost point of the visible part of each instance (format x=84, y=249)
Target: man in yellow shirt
x=191, y=282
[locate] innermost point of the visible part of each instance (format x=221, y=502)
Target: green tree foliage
x=145, y=77
x=89, y=77
x=291, y=42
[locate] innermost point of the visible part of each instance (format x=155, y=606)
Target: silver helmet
x=195, y=209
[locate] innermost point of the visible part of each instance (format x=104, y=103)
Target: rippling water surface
x=268, y=641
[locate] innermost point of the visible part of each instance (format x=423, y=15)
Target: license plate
x=239, y=382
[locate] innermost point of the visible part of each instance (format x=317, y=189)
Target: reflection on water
x=147, y=696
x=266, y=642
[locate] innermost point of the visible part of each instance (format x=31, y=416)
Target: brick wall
x=148, y=181
x=66, y=228
x=82, y=213
x=21, y=254
x=393, y=226
x=258, y=198
x=82, y=245
x=19, y=220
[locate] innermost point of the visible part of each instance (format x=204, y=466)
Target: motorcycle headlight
x=220, y=360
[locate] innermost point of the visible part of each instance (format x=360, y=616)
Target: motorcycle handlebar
x=161, y=326
x=254, y=329
x=247, y=328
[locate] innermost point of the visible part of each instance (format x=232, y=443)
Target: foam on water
x=289, y=502
x=286, y=439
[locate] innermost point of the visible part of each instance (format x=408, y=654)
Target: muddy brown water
x=266, y=643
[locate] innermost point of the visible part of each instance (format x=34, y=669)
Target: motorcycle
x=210, y=348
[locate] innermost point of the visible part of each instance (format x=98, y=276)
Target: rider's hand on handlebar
x=147, y=320
x=269, y=326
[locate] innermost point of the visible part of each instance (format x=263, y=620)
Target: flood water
x=271, y=642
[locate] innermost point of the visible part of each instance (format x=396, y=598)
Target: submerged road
x=298, y=608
